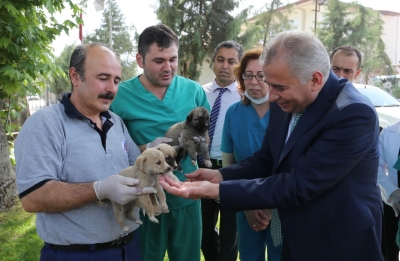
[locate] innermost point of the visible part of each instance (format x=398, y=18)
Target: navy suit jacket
x=323, y=180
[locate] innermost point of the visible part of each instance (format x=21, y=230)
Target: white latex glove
x=158, y=141
x=119, y=189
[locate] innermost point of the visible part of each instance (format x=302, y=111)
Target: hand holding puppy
x=119, y=189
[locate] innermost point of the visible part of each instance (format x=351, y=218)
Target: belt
x=216, y=162
x=121, y=241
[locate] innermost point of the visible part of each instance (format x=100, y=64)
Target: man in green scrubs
x=149, y=104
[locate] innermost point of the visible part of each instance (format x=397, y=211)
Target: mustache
x=107, y=95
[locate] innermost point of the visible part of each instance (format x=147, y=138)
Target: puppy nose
x=169, y=168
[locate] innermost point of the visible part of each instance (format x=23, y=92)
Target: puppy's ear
x=140, y=162
x=189, y=117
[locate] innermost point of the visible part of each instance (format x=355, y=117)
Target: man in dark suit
x=319, y=170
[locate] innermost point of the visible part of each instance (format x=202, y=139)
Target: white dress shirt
x=389, y=145
x=229, y=97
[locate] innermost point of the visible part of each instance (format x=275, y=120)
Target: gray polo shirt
x=59, y=143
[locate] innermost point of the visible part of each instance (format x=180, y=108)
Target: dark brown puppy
x=191, y=136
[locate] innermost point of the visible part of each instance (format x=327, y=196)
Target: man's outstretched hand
x=211, y=175
x=192, y=188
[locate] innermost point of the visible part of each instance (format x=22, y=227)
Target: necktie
x=214, y=114
x=213, y=120
x=275, y=221
x=295, y=120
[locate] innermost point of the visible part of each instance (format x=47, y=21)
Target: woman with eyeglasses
x=243, y=133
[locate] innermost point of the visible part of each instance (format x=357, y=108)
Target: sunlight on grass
x=18, y=237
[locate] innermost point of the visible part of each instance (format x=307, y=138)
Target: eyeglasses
x=249, y=77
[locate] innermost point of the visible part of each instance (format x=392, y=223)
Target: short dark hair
x=348, y=50
x=160, y=34
x=229, y=44
x=78, y=58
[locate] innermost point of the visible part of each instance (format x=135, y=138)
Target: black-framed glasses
x=249, y=77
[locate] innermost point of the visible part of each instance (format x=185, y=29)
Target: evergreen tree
x=366, y=30
x=200, y=26
x=122, y=41
x=270, y=20
x=358, y=26
x=332, y=29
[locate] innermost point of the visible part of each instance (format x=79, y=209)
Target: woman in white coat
x=389, y=149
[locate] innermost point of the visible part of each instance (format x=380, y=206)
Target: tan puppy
x=193, y=136
x=169, y=154
x=148, y=166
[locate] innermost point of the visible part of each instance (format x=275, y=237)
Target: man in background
x=346, y=62
x=221, y=94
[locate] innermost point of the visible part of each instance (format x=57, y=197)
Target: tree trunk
x=8, y=191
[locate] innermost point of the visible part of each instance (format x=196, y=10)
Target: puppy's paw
x=194, y=162
x=125, y=229
x=208, y=163
x=138, y=221
x=179, y=168
x=157, y=210
x=164, y=208
x=153, y=219
x=196, y=140
x=101, y=204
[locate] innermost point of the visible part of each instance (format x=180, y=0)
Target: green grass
x=18, y=237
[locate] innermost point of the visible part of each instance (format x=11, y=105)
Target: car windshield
x=379, y=97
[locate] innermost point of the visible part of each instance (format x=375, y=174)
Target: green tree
x=358, y=26
x=122, y=41
x=27, y=29
x=200, y=26
x=366, y=30
x=60, y=83
x=334, y=27
x=271, y=20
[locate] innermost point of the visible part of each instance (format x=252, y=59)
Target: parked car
x=33, y=97
x=386, y=105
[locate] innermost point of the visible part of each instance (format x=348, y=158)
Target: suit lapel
x=280, y=125
x=313, y=113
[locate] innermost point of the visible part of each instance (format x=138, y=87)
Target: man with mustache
x=69, y=156
x=221, y=94
x=149, y=104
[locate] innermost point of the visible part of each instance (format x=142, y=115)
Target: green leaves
x=201, y=26
x=26, y=34
x=122, y=41
x=362, y=28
